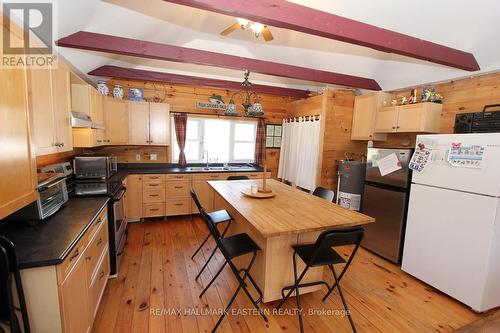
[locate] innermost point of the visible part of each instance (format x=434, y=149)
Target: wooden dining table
x=291, y=217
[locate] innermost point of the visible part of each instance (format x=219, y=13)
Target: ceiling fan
x=257, y=28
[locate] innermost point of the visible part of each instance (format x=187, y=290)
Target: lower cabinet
x=155, y=195
x=65, y=298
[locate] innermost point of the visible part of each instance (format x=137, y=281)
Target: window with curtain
x=226, y=140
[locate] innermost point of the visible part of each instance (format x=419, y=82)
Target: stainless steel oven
x=120, y=223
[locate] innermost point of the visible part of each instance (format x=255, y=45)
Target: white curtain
x=300, y=151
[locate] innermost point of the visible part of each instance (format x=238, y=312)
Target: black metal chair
x=321, y=254
x=9, y=270
x=324, y=193
x=219, y=216
x=237, y=178
x=233, y=247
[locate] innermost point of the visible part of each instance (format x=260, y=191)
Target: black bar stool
x=219, y=216
x=324, y=193
x=321, y=254
x=237, y=178
x=9, y=270
x=233, y=247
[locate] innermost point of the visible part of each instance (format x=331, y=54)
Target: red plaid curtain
x=180, y=122
x=260, y=143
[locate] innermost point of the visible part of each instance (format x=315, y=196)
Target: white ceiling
x=469, y=26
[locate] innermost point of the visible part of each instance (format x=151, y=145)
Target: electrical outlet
x=137, y=157
x=154, y=157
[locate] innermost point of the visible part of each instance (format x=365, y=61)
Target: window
x=225, y=140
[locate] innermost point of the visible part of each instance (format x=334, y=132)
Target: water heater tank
x=351, y=182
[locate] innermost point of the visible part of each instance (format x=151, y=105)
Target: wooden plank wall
x=183, y=98
x=336, y=108
x=460, y=96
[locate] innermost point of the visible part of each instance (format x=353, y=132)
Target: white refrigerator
x=452, y=238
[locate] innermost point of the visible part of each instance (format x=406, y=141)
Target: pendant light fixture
x=250, y=101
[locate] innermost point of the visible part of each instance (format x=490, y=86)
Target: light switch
x=137, y=157
x=154, y=157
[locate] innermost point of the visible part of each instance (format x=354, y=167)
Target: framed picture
x=277, y=142
x=269, y=142
x=270, y=130
x=136, y=94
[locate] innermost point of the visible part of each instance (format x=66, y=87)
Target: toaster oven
x=94, y=167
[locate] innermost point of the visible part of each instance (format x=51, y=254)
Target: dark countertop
x=49, y=242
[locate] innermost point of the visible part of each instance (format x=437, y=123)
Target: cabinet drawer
x=73, y=257
x=151, y=195
x=211, y=176
x=178, y=207
x=98, y=283
x=94, y=251
x=153, y=185
x=254, y=175
x=101, y=219
x=153, y=178
x=153, y=209
x=177, y=176
x=178, y=189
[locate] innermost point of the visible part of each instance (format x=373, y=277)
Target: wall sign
x=215, y=102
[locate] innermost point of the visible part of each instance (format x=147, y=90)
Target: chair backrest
x=6, y=300
x=324, y=193
x=196, y=200
x=338, y=237
x=238, y=178
x=214, y=232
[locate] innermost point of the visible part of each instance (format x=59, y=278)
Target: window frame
x=201, y=138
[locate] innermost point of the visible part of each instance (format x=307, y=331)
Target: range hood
x=82, y=120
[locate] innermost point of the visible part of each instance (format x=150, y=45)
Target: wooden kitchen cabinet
x=138, y=119
x=96, y=106
x=149, y=123
x=86, y=99
x=18, y=167
x=116, y=121
x=418, y=118
x=159, y=124
x=364, y=116
x=51, y=109
x=134, y=197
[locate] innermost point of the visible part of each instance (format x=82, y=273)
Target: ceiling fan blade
x=232, y=28
x=266, y=33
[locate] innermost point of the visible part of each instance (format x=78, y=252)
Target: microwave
x=94, y=167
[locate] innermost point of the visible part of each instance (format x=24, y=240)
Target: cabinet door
x=134, y=197
x=75, y=300
x=116, y=121
x=205, y=194
x=159, y=123
x=42, y=111
x=61, y=88
x=80, y=99
x=386, y=120
x=138, y=118
x=17, y=165
x=363, y=117
x=96, y=106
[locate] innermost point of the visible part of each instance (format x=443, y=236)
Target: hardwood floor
x=157, y=277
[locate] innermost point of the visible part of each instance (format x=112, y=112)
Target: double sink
x=219, y=168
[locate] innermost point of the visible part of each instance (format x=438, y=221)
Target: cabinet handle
x=178, y=187
x=397, y=127
x=179, y=204
x=101, y=275
x=154, y=184
x=76, y=254
x=154, y=209
x=153, y=195
x=154, y=177
x=393, y=127
x=62, y=144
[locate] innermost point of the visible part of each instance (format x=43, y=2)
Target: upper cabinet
x=51, y=109
x=116, y=121
x=364, y=116
x=86, y=99
x=420, y=117
x=148, y=123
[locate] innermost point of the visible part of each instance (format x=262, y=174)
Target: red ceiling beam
x=144, y=49
x=145, y=75
x=287, y=15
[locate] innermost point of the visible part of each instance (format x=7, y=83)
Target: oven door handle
x=120, y=195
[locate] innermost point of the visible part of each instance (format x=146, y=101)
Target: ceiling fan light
x=243, y=22
x=257, y=28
